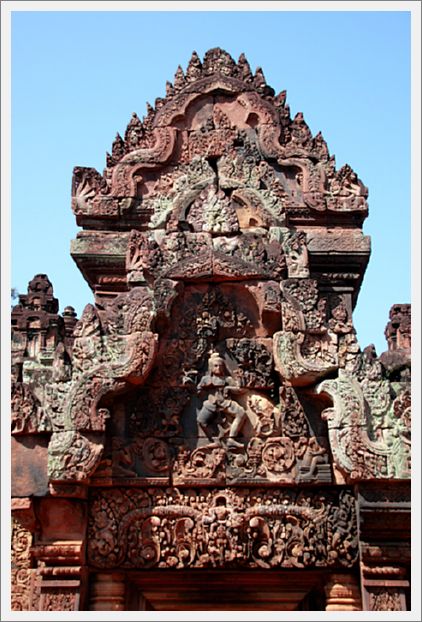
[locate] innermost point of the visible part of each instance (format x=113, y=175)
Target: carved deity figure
x=218, y=386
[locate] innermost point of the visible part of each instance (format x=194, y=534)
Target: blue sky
x=78, y=76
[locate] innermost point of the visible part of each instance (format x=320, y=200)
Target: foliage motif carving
x=255, y=115
x=27, y=416
x=73, y=456
x=363, y=446
x=300, y=369
x=199, y=528
x=263, y=459
x=59, y=599
x=21, y=568
x=216, y=385
x=385, y=599
x=106, y=357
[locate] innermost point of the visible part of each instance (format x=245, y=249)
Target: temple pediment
x=213, y=411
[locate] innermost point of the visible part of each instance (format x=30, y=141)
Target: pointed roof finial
x=194, y=70
x=133, y=132
x=280, y=99
x=321, y=147
x=179, y=79
x=117, y=149
x=245, y=69
x=159, y=103
x=259, y=78
x=217, y=60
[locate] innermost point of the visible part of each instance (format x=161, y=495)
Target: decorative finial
x=179, y=79
x=245, y=69
x=194, y=70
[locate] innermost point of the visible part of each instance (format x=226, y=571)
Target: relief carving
x=219, y=389
x=216, y=385
x=27, y=415
x=59, y=599
x=386, y=599
x=364, y=448
x=208, y=528
x=106, y=356
x=21, y=568
x=294, y=246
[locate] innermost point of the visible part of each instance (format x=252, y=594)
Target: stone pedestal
x=342, y=593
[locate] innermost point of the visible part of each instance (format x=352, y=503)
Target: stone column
x=342, y=593
x=107, y=592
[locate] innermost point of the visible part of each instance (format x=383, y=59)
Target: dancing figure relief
x=218, y=387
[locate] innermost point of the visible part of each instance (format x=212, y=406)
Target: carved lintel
x=131, y=528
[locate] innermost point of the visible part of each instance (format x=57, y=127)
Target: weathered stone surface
x=37, y=327
x=366, y=448
x=22, y=573
x=61, y=519
x=341, y=241
x=398, y=329
x=256, y=528
x=195, y=412
x=29, y=466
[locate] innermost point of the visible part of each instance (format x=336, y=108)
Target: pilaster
x=107, y=592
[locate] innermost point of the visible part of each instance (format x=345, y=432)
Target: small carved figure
x=219, y=385
x=313, y=455
x=62, y=370
x=340, y=323
x=294, y=246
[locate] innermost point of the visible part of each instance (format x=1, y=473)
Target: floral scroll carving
x=385, y=599
x=22, y=572
x=209, y=528
x=369, y=432
x=212, y=408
